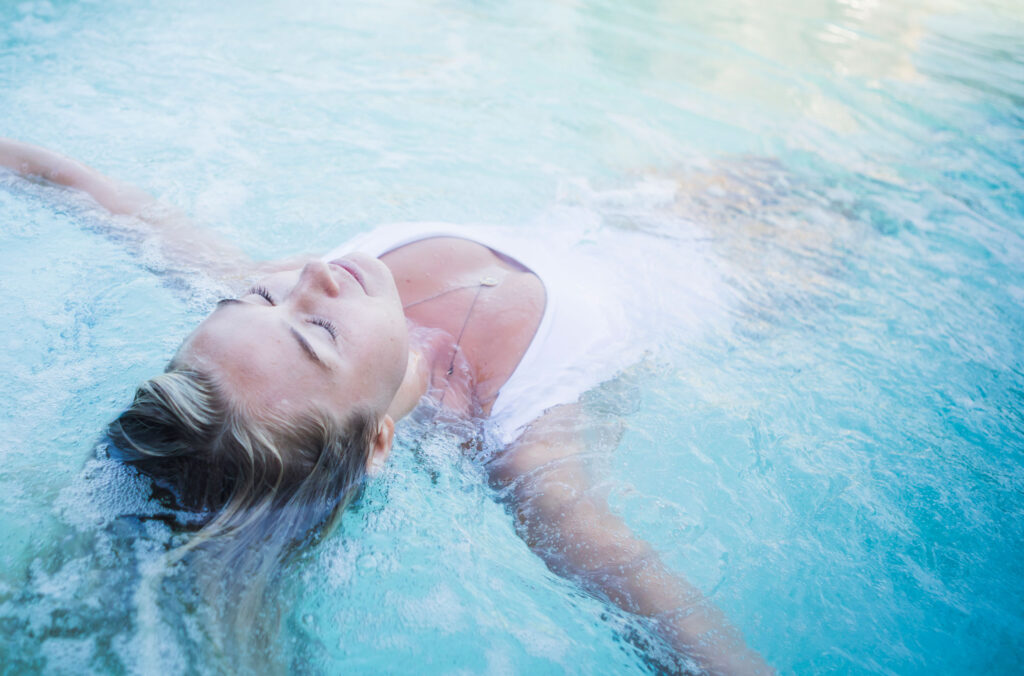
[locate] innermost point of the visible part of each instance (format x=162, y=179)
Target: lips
x=351, y=269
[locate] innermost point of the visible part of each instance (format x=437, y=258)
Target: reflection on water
x=822, y=202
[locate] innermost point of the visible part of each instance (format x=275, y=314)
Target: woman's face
x=330, y=335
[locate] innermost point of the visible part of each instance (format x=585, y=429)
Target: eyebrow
x=303, y=343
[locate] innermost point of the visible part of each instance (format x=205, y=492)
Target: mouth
x=349, y=267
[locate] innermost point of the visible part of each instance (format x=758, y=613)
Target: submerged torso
x=482, y=306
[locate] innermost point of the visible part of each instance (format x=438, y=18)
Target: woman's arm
x=179, y=239
x=578, y=536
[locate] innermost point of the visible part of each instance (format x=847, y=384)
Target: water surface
x=830, y=445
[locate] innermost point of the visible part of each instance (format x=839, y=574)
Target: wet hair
x=263, y=485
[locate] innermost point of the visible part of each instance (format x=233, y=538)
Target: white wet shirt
x=582, y=339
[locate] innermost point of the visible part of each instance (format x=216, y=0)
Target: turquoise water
x=833, y=453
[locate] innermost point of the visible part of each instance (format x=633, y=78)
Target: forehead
x=257, y=359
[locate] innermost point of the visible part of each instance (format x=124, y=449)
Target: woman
x=277, y=406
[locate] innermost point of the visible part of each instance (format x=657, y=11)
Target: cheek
x=389, y=347
x=393, y=346
x=381, y=344
x=401, y=333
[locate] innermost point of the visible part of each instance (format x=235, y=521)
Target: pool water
x=827, y=434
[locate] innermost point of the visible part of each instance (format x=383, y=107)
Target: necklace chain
x=485, y=281
x=479, y=286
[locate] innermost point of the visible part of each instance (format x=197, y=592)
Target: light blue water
x=836, y=458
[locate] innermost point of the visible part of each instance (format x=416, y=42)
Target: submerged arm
x=579, y=537
x=179, y=239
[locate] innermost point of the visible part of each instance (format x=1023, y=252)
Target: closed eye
x=261, y=291
x=327, y=325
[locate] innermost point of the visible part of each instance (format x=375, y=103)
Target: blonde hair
x=263, y=486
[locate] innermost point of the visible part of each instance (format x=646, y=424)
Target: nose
x=316, y=278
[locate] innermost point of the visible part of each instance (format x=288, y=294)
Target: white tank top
x=582, y=339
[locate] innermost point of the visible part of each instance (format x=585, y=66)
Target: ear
x=381, y=446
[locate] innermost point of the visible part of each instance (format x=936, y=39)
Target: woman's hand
x=30, y=160
x=569, y=525
x=179, y=240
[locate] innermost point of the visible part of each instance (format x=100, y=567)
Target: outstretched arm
x=179, y=239
x=578, y=536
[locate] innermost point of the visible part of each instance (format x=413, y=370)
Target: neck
x=425, y=348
